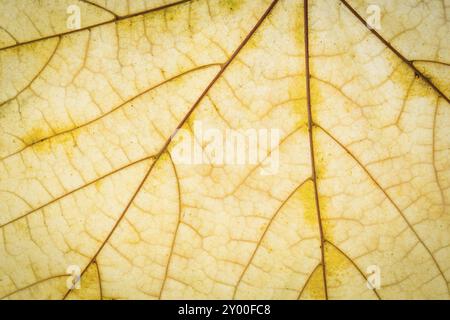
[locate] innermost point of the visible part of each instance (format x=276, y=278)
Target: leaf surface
x=90, y=120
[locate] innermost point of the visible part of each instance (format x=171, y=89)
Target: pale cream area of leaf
x=424, y=22
x=20, y=65
x=417, y=29
x=23, y=21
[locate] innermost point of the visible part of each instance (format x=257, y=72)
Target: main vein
x=311, y=145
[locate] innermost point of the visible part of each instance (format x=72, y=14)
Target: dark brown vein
x=164, y=148
x=410, y=226
x=99, y=24
x=115, y=108
x=311, y=144
x=395, y=51
x=258, y=244
x=36, y=75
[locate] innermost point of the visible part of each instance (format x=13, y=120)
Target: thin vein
x=9, y=34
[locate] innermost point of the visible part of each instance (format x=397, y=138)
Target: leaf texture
x=89, y=124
